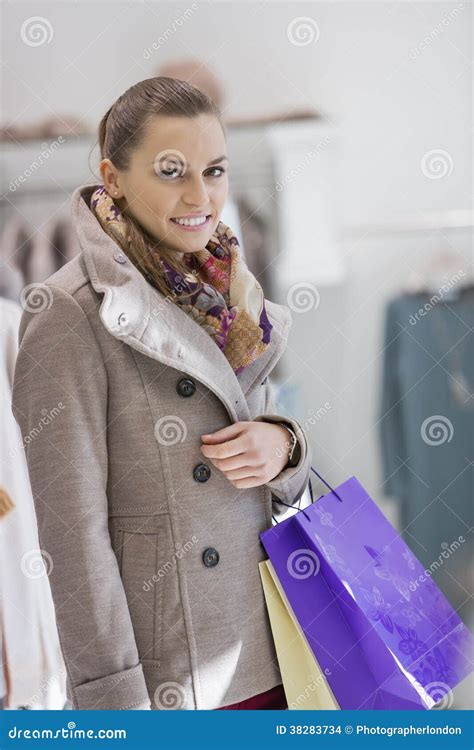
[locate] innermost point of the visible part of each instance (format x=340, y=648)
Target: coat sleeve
x=290, y=483
x=60, y=403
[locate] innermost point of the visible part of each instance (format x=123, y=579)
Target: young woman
x=155, y=456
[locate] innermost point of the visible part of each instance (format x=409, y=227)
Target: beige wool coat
x=152, y=553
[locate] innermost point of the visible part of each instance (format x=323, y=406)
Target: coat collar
x=133, y=311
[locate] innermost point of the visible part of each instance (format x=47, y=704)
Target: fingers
x=243, y=484
x=243, y=472
x=225, y=450
x=226, y=433
x=236, y=462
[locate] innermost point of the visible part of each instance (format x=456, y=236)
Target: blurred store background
x=351, y=169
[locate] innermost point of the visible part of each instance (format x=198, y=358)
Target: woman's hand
x=248, y=453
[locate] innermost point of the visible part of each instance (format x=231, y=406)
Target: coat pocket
x=141, y=554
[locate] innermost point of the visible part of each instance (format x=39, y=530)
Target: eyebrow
x=216, y=161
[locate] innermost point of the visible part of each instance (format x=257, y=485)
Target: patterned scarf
x=220, y=293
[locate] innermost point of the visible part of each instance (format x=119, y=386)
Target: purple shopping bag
x=378, y=625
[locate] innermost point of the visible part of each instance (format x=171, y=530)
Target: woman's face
x=177, y=171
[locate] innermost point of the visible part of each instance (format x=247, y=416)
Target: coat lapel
x=136, y=313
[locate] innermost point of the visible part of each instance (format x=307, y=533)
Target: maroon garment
x=271, y=699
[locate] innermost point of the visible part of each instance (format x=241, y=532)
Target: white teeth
x=191, y=222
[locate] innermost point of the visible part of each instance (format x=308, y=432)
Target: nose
x=195, y=193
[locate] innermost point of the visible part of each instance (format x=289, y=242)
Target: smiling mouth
x=192, y=224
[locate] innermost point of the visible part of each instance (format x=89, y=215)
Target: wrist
x=292, y=445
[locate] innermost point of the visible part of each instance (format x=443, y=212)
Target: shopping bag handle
x=311, y=495
x=324, y=482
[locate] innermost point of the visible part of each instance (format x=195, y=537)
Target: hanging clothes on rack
x=53, y=245
x=29, y=632
x=15, y=256
x=30, y=254
x=6, y=506
x=427, y=428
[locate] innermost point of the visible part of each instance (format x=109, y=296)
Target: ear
x=110, y=178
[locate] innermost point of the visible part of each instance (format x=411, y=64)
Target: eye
x=170, y=174
x=174, y=172
x=220, y=169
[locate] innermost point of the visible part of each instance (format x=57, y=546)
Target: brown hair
x=120, y=132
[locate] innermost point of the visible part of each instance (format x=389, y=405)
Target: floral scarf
x=220, y=293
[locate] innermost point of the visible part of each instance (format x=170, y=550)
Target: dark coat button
x=210, y=557
x=186, y=387
x=201, y=473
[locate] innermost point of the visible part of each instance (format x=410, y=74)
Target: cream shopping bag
x=304, y=683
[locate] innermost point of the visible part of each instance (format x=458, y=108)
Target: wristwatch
x=295, y=452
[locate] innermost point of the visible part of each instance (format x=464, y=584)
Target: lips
x=196, y=216
x=191, y=228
